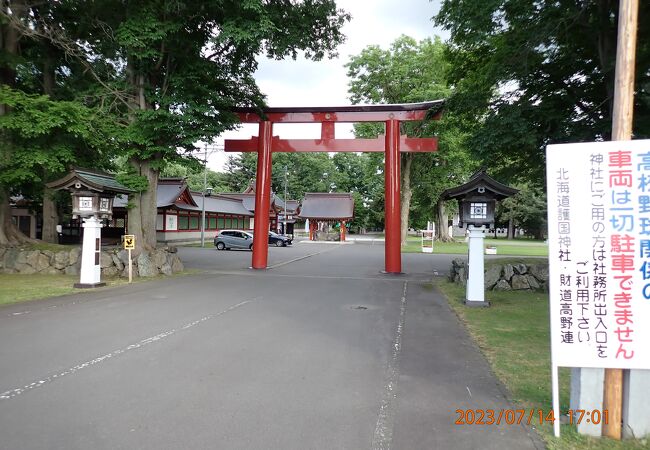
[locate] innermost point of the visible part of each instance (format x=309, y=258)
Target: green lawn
x=514, y=336
x=507, y=247
x=16, y=288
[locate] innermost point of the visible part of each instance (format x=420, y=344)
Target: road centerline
x=383, y=435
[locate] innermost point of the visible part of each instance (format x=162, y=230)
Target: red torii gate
x=392, y=143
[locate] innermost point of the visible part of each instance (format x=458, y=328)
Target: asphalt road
x=321, y=351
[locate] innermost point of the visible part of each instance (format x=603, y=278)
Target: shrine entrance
x=392, y=144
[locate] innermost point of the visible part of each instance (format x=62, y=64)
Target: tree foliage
x=165, y=73
x=410, y=71
x=527, y=74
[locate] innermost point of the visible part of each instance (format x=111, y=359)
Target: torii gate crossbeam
x=392, y=144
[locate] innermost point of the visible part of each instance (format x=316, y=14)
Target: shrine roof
x=169, y=192
x=480, y=179
x=435, y=105
x=322, y=205
x=217, y=203
x=94, y=180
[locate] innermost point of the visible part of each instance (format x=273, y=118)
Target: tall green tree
x=195, y=175
x=409, y=71
x=43, y=127
x=527, y=74
x=527, y=210
x=177, y=70
x=306, y=172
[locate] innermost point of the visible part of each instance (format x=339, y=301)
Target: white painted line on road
x=11, y=393
x=383, y=436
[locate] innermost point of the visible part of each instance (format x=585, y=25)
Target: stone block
x=461, y=276
x=123, y=256
x=492, y=275
x=72, y=269
x=539, y=271
x=587, y=394
x=166, y=269
x=508, y=272
x=159, y=257
x=11, y=258
x=29, y=257
x=43, y=263
x=61, y=260
x=105, y=260
x=134, y=272
x=117, y=261
x=520, y=268
x=519, y=283
x=26, y=269
x=146, y=266
x=502, y=285
x=534, y=284
x=110, y=271
x=177, y=264
x=74, y=255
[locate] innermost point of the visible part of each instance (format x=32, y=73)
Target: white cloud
x=324, y=83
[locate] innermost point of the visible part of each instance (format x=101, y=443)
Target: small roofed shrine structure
x=477, y=198
x=477, y=204
x=392, y=144
x=326, y=211
x=92, y=200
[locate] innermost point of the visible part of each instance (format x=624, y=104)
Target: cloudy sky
x=324, y=83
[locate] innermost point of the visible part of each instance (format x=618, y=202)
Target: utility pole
x=205, y=181
x=284, y=229
x=621, y=131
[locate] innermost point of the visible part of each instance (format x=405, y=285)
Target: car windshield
x=273, y=234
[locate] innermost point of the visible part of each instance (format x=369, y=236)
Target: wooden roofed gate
x=392, y=143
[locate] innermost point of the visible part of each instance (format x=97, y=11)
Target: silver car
x=227, y=239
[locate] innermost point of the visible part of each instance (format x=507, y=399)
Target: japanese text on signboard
x=599, y=253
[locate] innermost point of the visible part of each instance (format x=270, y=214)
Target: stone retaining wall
x=114, y=262
x=506, y=276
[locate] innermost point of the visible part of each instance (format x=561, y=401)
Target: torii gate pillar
x=392, y=145
x=262, y=197
x=392, y=246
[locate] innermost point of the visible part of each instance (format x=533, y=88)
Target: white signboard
x=172, y=223
x=599, y=254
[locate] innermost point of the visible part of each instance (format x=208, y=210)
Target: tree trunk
x=142, y=216
x=50, y=213
x=442, y=227
x=9, y=232
x=406, y=194
x=50, y=218
x=511, y=228
x=606, y=41
x=143, y=211
x=9, y=38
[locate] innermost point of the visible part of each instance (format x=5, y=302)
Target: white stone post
x=475, y=280
x=91, y=254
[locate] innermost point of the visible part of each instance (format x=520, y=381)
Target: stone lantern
x=477, y=202
x=88, y=203
x=92, y=200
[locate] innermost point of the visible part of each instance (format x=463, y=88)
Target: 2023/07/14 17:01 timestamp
x=527, y=416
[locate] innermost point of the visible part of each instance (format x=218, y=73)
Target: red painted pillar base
x=262, y=197
x=393, y=253
x=343, y=231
